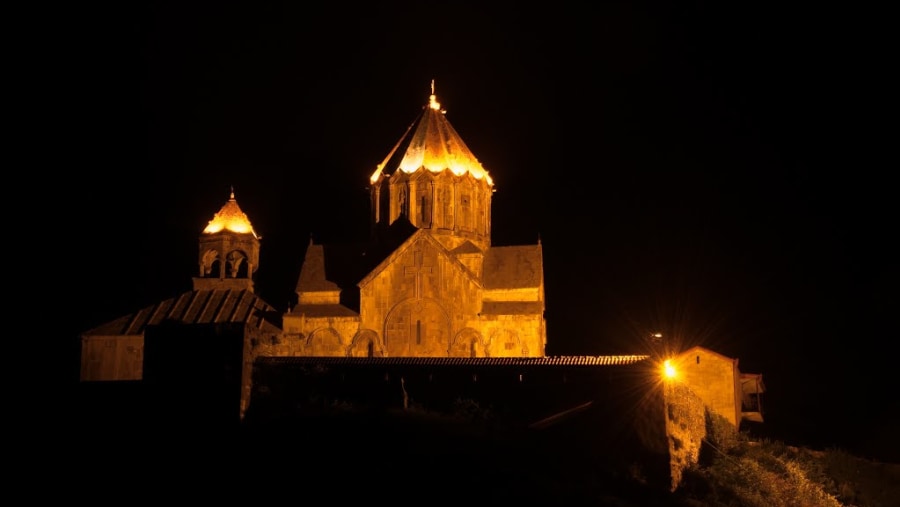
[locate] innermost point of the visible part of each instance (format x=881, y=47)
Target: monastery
x=426, y=295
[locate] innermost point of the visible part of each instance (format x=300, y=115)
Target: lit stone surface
x=230, y=218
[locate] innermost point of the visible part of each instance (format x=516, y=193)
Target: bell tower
x=229, y=251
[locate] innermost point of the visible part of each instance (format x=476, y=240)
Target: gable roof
x=707, y=351
x=328, y=267
x=340, y=267
x=197, y=307
x=323, y=310
x=512, y=308
x=426, y=236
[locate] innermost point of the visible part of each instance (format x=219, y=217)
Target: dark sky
x=704, y=171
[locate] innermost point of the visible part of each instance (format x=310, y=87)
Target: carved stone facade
x=423, y=301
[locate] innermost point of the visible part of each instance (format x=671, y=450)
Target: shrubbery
x=740, y=472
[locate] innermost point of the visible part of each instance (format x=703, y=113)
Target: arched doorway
x=325, y=341
x=468, y=344
x=366, y=344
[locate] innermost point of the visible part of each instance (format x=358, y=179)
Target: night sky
x=704, y=171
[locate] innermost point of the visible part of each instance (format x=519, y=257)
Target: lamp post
x=657, y=345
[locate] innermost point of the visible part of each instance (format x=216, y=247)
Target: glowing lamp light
x=668, y=369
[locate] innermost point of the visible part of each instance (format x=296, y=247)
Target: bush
x=759, y=474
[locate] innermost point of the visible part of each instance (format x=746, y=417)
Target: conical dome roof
x=230, y=218
x=431, y=143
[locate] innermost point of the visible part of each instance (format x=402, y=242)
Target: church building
x=429, y=284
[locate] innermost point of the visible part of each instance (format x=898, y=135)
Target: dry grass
x=773, y=474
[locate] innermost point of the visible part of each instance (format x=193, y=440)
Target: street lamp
x=669, y=369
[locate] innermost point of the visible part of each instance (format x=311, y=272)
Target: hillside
x=417, y=455
x=119, y=449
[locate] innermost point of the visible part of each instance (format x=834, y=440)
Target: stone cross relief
x=417, y=270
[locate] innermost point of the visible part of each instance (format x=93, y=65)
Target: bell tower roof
x=230, y=218
x=431, y=143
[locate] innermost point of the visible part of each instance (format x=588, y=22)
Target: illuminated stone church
x=431, y=284
x=427, y=283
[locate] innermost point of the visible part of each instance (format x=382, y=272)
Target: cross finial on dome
x=432, y=100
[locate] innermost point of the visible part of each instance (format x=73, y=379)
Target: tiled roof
x=324, y=310
x=197, y=307
x=460, y=361
x=512, y=308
